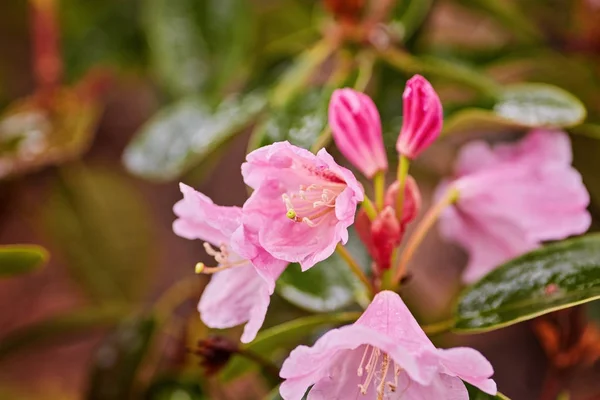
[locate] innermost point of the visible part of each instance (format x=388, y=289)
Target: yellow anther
x=199, y=267
x=291, y=214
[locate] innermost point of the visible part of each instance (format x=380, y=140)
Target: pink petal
x=200, y=218
x=469, y=365
x=356, y=129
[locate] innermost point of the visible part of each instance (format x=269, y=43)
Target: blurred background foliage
x=107, y=104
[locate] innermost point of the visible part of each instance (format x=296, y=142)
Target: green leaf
x=524, y=105
x=199, y=45
x=116, y=361
x=103, y=228
x=173, y=388
x=184, y=134
x=329, y=285
x=59, y=328
x=301, y=120
x=283, y=336
x=557, y=276
x=476, y=394
x=21, y=258
x=34, y=133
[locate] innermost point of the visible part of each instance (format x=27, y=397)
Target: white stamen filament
x=377, y=374
x=221, y=257
x=311, y=203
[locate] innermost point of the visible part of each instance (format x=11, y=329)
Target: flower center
x=376, y=368
x=311, y=204
x=221, y=256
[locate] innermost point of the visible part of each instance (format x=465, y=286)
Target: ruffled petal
x=470, y=366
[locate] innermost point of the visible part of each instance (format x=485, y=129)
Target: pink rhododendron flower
x=383, y=355
x=302, y=205
x=237, y=292
x=512, y=197
x=422, y=117
x=356, y=129
x=385, y=233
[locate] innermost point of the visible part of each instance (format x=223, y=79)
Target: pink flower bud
x=356, y=128
x=386, y=234
x=422, y=117
x=412, y=199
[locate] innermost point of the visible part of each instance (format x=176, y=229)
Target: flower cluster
x=501, y=202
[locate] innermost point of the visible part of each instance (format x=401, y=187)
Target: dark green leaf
x=34, y=134
x=184, y=134
x=21, y=258
x=60, y=327
x=174, y=388
x=476, y=394
x=300, y=120
x=329, y=285
x=103, y=228
x=286, y=335
x=557, y=276
x=116, y=361
x=199, y=44
x=525, y=105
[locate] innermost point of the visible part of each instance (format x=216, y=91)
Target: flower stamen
x=311, y=203
x=221, y=256
x=370, y=368
x=385, y=364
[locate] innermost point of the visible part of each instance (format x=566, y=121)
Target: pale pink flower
x=422, y=117
x=383, y=355
x=238, y=292
x=512, y=197
x=356, y=129
x=302, y=205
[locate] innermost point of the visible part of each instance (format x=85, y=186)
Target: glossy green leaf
x=21, y=258
x=103, y=228
x=329, y=285
x=525, y=105
x=557, y=276
x=300, y=121
x=33, y=135
x=476, y=394
x=283, y=336
x=116, y=361
x=184, y=134
x=60, y=327
x=199, y=45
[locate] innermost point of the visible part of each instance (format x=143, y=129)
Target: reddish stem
x=47, y=62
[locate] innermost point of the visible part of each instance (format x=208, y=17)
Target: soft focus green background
x=160, y=91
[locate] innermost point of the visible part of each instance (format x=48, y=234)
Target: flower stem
x=403, y=166
x=366, y=61
x=47, y=61
x=379, y=185
x=322, y=141
x=415, y=240
x=369, y=208
x=354, y=267
x=438, y=327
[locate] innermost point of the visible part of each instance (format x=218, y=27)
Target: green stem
x=366, y=61
x=379, y=186
x=354, y=267
x=438, y=327
x=417, y=237
x=403, y=166
x=369, y=208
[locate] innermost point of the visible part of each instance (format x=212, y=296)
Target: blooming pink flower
x=383, y=355
x=385, y=233
x=423, y=117
x=356, y=129
x=512, y=197
x=237, y=292
x=302, y=205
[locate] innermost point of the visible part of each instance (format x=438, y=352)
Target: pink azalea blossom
x=356, y=129
x=512, y=198
x=422, y=115
x=302, y=205
x=383, y=355
x=238, y=292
